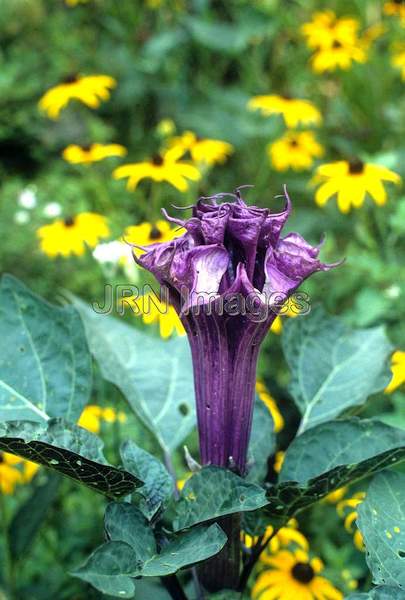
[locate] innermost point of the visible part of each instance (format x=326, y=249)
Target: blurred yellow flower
x=204, y=151
x=278, y=461
x=395, y=8
x=295, y=150
x=347, y=509
x=398, y=371
x=294, y=111
x=93, y=153
x=90, y=90
x=283, y=538
x=75, y=2
x=338, y=56
x=351, y=180
x=71, y=235
x=325, y=28
x=180, y=483
x=271, y=404
x=166, y=127
x=398, y=61
x=291, y=311
x=163, y=167
x=93, y=415
x=156, y=310
x=294, y=575
x=14, y=470
x=150, y=233
x=336, y=496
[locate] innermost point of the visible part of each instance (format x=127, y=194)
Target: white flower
x=21, y=217
x=113, y=252
x=52, y=209
x=27, y=199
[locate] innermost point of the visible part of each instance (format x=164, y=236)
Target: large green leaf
x=154, y=375
x=214, y=492
x=109, y=569
x=69, y=450
x=124, y=522
x=262, y=442
x=332, y=455
x=45, y=365
x=186, y=549
x=383, y=592
x=332, y=367
x=158, y=484
x=381, y=521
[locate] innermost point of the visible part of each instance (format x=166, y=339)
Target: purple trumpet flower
x=227, y=277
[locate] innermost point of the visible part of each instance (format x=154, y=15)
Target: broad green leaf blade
x=158, y=484
x=124, y=522
x=109, y=569
x=381, y=521
x=262, y=442
x=332, y=455
x=154, y=375
x=45, y=365
x=332, y=367
x=31, y=515
x=186, y=549
x=69, y=450
x=214, y=492
x=383, y=592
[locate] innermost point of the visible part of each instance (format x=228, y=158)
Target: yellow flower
x=398, y=371
x=163, y=167
x=278, y=461
x=283, y=538
x=351, y=180
x=180, y=483
x=338, y=56
x=398, y=61
x=295, y=150
x=336, y=496
x=70, y=236
x=294, y=111
x=150, y=233
x=93, y=415
x=165, y=128
x=270, y=403
x=75, y=2
x=90, y=90
x=351, y=515
x=204, y=151
x=325, y=28
x=351, y=583
x=156, y=310
x=93, y=153
x=14, y=470
x=289, y=311
x=395, y=9
x=293, y=575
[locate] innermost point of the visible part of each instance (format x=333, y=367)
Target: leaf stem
x=173, y=587
x=254, y=557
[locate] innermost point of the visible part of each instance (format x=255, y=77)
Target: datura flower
x=162, y=167
x=296, y=150
x=90, y=90
x=293, y=576
x=294, y=111
x=202, y=151
x=71, y=235
x=86, y=155
x=351, y=181
x=225, y=277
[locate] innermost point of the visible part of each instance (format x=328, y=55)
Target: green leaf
x=383, y=592
x=214, y=492
x=381, y=520
x=69, y=450
x=30, y=516
x=186, y=549
x=155, y=376
x=109, y=569
x=158, y=484
x=330, y=456
x=332, y=367
x=45, y=365
x=262, y=442
x=124, y=522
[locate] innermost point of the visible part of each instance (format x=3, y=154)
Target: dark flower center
x=1, y=457
x=157, y=160
x=293, y=143
x=303, y=572
x=72, y=78
x=356, y=166
x=155, y=233
x=336, y=44
x=69, y=221
x=398, y=1
x=287, y=96
x=86, y=147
